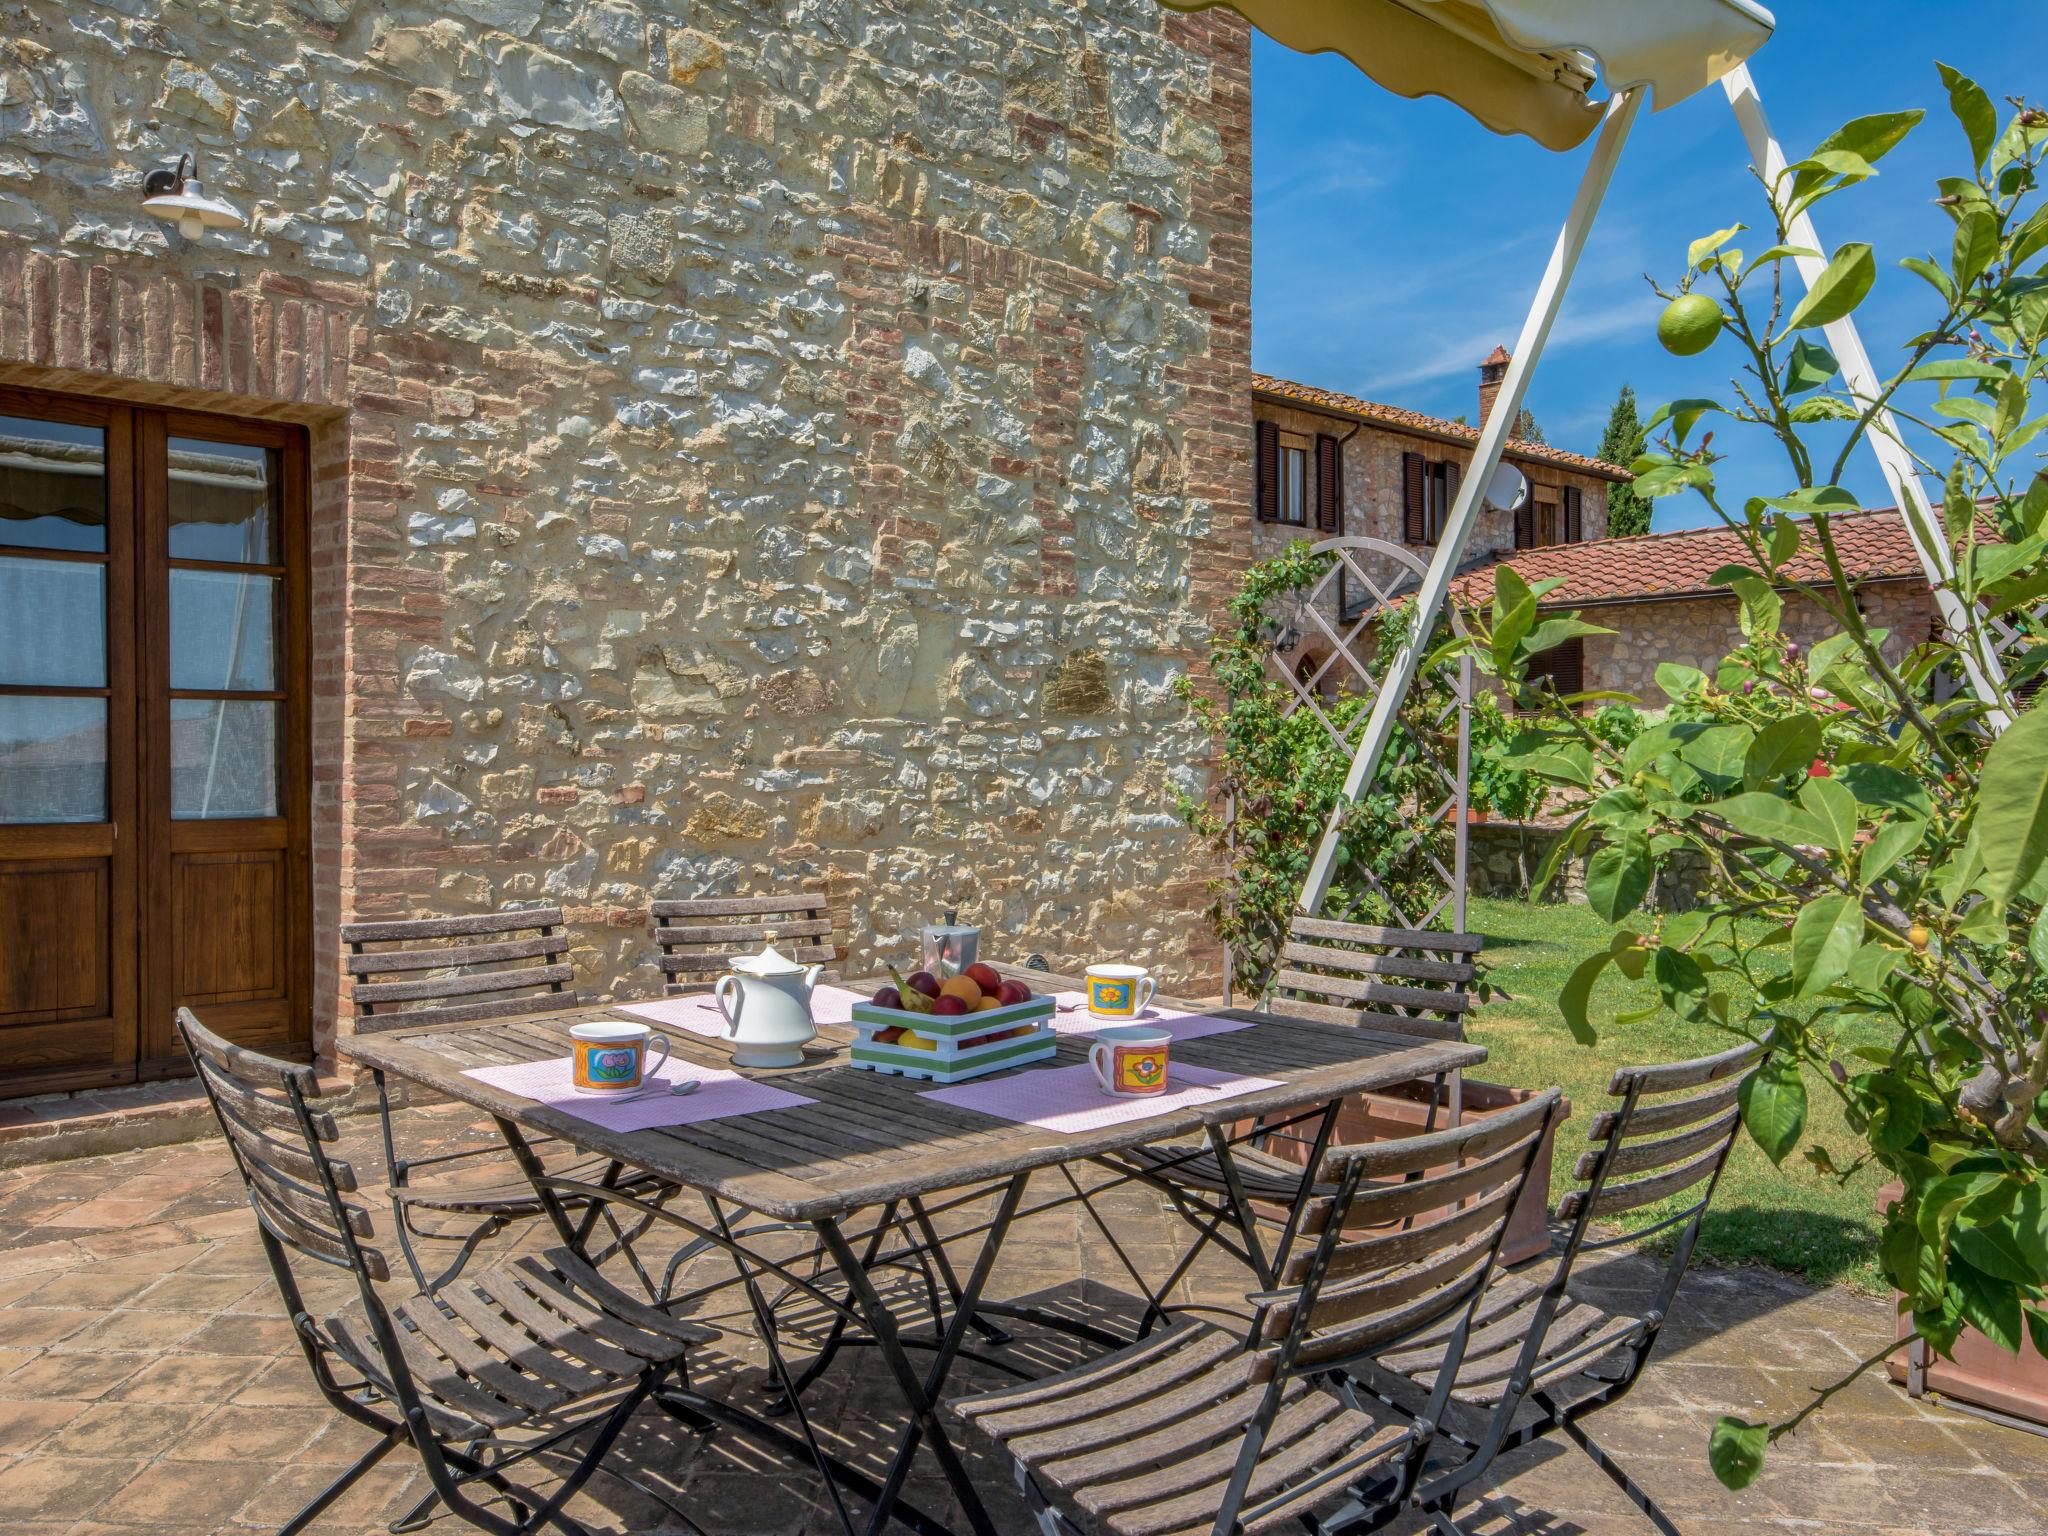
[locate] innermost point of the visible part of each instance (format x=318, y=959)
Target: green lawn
x=1792, y=1218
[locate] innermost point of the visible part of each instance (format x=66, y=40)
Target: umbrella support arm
x=1493, y=437
x=1900, y=473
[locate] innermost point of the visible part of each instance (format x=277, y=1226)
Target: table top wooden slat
x=869, y=1137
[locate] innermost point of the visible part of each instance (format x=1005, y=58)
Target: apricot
x=964, y=987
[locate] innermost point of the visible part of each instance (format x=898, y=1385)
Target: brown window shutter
x=1451, y=473
x=1525, y=525
x=1572, y=507
x=1414, y=525
x=1563, y=665
x=1329, y=483
x=1267, y=499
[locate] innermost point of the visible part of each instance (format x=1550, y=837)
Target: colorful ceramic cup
x=1118, y=991
x=611, y=1057
x=1130, y=1060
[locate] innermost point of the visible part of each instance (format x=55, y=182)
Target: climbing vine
x=1280, y=770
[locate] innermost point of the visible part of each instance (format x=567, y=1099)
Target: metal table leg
x=922, y=1396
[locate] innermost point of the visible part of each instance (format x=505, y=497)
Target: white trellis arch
x=1365, y=579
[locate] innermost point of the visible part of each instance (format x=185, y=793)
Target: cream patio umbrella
x=1532, y=67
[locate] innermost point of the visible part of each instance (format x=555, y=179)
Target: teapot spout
x=811, y=976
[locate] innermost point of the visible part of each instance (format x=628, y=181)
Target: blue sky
x=1395, y=242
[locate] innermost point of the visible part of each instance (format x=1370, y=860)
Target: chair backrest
x=1436, y=1206
x=1403, y=981
x=446, y=970
x=1669, y=1134
x=280, y=1137
x=700, y=939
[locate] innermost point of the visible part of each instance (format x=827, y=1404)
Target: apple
x=1013, y=992
x=888, y=997
x=925, y=982
x=948, y=1005
x=984, y=976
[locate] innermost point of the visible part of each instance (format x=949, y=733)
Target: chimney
x=1491, y=372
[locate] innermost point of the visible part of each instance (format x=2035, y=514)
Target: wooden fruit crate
x=959, y=1050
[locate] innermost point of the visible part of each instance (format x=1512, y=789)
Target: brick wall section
x=725, y=431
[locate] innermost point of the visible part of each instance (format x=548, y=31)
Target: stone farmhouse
x=1655, y=592
x=1327, y=464
x=626, y=451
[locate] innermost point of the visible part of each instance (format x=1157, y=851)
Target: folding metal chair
x=447, y=970
x=1398, y=981
x=484, y=1373
x=1198, y=1429
x=1537, y=1348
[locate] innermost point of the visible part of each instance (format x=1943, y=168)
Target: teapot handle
x=728, y=997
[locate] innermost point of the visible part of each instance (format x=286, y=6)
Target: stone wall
x=756, y=444
x=1698, y=632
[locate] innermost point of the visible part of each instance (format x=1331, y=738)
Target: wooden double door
x=153, y=738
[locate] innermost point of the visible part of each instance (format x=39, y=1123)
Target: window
x=1562, y=666
x=1551, y=515
x=1296, y=472
x=1293, y=479
x=1429, y=487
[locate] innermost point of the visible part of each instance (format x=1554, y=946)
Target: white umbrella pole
x=1493, y=437
x=1900, y=472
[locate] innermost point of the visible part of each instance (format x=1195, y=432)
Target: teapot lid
x=770, y=962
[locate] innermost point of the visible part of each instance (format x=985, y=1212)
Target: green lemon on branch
x=1689, y=324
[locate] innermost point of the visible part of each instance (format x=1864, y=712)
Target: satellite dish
x=1508, y=489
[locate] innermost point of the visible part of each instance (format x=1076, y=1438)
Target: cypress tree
x=1627, y=513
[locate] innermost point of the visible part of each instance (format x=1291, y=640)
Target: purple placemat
x=1071, y=1017
x=1071, y=1100
x=720, y=1094
x=698, y=1013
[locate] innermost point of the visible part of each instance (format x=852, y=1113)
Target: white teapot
x=766, y=1000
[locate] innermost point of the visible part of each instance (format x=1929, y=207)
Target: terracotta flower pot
x=1403, y=1112
x=1981, y=1372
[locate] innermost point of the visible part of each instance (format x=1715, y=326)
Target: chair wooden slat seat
x=1199, y=1431
x=1142, y=1442
x=1579, y=1334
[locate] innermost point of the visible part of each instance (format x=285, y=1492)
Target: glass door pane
x=53, y=621
x=223, y=502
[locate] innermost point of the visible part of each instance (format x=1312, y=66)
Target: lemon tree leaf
x=1773, y=1099
x=1838, y=290
x=1782, y=747
x=1825, y=937
x=1971, y=104
x=1770, y=819
x=1735, y=1450
x=2012, y=806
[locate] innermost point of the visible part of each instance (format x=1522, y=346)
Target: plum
x=888, y=997
x=925, y=982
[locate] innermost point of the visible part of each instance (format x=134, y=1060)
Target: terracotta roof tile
x=1874, y=546
x=1415, y=421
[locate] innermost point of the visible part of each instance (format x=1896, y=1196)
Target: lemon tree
x=1848, y=798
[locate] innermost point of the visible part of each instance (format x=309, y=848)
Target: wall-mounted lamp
x=180, y=199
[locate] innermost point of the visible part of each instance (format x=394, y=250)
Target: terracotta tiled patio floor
x=148, y=1381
